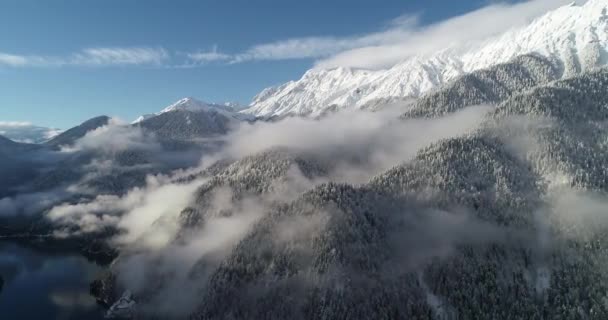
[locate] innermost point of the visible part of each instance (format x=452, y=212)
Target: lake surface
x=46, y=285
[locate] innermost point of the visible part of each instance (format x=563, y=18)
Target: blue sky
x=64, y=61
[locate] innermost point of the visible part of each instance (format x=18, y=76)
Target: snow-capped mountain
x=574, y=37
x=26, y=132
x=190, y=104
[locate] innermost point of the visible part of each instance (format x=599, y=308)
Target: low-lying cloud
x=167, y=264
x=114, y=137
x=31, y=203
x=358, y=145
x=26, y=132
x=133, y=213
x=375, y=140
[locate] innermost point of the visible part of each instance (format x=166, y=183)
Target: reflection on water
x=43, y=285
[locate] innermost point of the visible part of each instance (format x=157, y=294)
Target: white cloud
x=203, y=57
x=16, y=124
x=26, y=132
x=100, y=56
x=403, y=38
x=114, y=137
x=30, y=203
x=313, y=47
x=309, y=47
x=12, y=60
x=461, y=31
x=134, y=213
x=120, y=56
x=377, y=137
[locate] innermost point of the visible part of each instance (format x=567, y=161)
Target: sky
x=65, y=61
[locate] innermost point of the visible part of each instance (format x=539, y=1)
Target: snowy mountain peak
x=574, y=37
x=194, y=105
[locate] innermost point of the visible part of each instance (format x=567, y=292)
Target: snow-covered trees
x=489, y=86
x=470, y=228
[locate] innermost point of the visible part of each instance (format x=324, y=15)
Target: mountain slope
x=193, y=105
x=15, y=165
x=189, y=119
x=565, y=130
x=488, y=86
x=269, y=173
x=188, y=125
x=9, y=147
x=330, y=266
x=70, y=136
x=468, y=229
x=573, y=37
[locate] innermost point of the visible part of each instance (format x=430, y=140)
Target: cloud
x=89, y=217
x=373, y=141
x=114, y=137
x=403, y=37
x=107, y=161
x=308, y=47
x=199, y=253
x=98, y=56
x=31, y=203
x=579, y=213
x=15, y=124
x=313, y=47
x=134, y=213
x=168, y=266
x=154, y=243
x=459, y=32
x=203, y=57
x=13, y=60
x=120, y=56
x=26, y=132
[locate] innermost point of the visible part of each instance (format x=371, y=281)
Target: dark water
x=46, y=285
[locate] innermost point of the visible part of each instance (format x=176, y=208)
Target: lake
x=46, y=285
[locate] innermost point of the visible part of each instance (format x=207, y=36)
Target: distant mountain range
x=26, y=132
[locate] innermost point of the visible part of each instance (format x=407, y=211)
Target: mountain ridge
x=570, y=36
x=70, y=136
x=193, y=105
